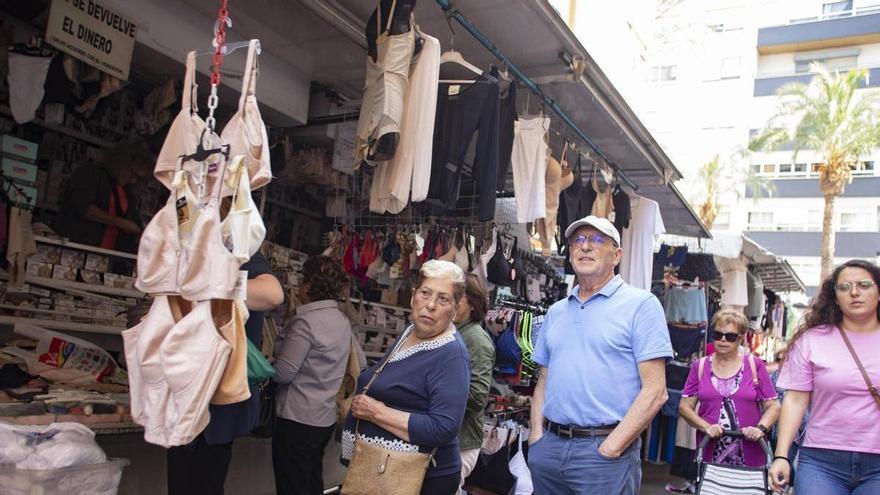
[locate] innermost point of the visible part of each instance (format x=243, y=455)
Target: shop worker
x=602, y=353
x=100, y=206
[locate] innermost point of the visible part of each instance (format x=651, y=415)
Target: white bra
x=243, y=229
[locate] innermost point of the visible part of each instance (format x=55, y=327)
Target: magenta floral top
x=744, y=398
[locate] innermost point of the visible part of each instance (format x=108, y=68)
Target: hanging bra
x=186, y=257
x=603, y=205
x=233, y=386
x=175, y=359
x=245, y=133
x=243, y=229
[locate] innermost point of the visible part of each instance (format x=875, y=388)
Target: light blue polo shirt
x=592, y=350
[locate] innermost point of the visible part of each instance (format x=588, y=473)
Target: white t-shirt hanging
x=638, y=242
x=734, y=281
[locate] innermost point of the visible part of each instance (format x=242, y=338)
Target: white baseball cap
x=603, y=225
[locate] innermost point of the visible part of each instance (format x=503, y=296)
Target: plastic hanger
x=454, y=57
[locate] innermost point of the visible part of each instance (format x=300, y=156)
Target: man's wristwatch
x=763, y=428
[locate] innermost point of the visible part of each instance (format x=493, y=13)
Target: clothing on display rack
x=409, y=172
x=506, y=125
x=572, y=205
x=638, y=242
x=734, y=285
x=755, y=308
x=385, y=88
x=622, y=208
x=27, y=74
x=603, y=203
x=556, y=180
x=687, y=340
x=464, y=110
x=698, y=265
x=685, y=305
x=21, y=244
x=673, y=256
x=529, y=162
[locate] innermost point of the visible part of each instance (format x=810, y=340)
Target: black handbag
x=265, y=427
x=499, y=267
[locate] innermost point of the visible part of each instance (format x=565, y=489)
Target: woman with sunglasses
x=730, y=397
x=840, y=454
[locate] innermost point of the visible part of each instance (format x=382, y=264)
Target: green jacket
x=482, y=352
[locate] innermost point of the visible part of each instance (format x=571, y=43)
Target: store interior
x=468, y=196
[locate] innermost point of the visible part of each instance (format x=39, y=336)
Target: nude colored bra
x=243, y=229
x=176, y=359
x=245, y=133
x=187, y=257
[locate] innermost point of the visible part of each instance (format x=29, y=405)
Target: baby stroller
x=724, y=479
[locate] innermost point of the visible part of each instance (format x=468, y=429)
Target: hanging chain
x=217, y=61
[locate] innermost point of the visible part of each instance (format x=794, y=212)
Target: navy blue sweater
x=430, y=381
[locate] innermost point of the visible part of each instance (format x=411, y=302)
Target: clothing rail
x=513, y=304
x=453, y=12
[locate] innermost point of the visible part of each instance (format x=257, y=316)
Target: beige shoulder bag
x=376, y=469
x=871, y=388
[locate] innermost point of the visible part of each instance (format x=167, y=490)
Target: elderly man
x=602, y=353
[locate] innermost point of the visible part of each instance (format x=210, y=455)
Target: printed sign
x=94, y=33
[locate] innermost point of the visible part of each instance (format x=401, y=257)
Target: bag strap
x=871, y=388
x=754, y=370
x=701, y=366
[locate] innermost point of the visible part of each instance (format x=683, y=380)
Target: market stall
x=379, y=205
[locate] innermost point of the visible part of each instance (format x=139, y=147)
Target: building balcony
x=769, y=84
x=847, y=244
x=854, y=27
x=808, y=187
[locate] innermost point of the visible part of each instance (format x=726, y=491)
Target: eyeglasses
x=848, y=286
x=593, y=240
x=730, y=337
x=443, y=300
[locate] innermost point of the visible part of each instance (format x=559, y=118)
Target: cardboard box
x=20, y=194
x=118, y=281
x=14, y=146
x=47, y=254
x=61, y=272
x=39, y=269
x=41, y=292
x=91, y=277
x=97, y=262
x=73, y=258
x=19, y=171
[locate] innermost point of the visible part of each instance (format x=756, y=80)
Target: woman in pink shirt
x=841, y=451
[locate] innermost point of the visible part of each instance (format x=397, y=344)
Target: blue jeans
x=837, y=472
x=561, y=466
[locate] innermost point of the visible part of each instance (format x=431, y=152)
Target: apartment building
x=703, y=75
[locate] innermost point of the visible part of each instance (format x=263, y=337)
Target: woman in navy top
x=418, y=402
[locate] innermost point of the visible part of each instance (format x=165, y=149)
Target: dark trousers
x=442, y=485
x=198, y=468
x=298, y=457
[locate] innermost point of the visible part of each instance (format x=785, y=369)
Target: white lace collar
x=427, y=345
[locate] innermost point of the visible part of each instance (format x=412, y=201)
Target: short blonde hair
x=730, y=317
x=444, y=270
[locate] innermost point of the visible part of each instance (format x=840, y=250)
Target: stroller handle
x=735, y=434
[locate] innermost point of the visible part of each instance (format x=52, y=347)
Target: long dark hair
x=825, y=310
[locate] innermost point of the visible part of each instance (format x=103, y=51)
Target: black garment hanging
x=622, y=209
x=506, y=122
x=463, y=110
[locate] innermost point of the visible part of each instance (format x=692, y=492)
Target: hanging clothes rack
x=452, y=12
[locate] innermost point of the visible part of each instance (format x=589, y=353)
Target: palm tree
x=827, y=116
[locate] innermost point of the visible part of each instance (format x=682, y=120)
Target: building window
x=730, y=67
x=768, y=168
x=866, y=168
x=760, y=220
x=800, y=169
x=784, y=168
x=662, y=73
x=839, y=64
x=853, y=221
x=833, y=10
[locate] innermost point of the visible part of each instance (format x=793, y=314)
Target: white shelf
x=80, y=286
x=70, y=326
x=83, y=247
x=380, y=305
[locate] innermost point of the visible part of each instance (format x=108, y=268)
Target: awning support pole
x=454, y=13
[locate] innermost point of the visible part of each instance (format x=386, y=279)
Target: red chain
x=220, y=39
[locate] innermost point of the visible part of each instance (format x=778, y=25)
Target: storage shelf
x=80, y=286
x=70, y=326
x=380, y=305
x=83, y=247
